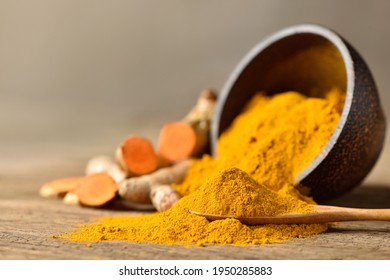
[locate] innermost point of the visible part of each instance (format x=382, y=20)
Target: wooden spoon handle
x=353, y=214
x=322, y=214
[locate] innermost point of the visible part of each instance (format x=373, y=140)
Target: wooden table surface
x=27, y=221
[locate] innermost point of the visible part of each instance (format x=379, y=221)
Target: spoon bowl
x=312, y=59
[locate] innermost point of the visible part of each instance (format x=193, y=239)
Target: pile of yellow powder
x=259, y=156
x=233, y=192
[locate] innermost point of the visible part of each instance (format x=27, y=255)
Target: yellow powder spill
x=272, y=140
x=177, y=226
x=259, y=156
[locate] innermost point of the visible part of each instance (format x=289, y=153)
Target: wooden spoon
x=322, y=214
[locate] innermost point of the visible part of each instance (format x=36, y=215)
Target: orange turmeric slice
x=177, y=141
x=96, y=190
x=136, y=156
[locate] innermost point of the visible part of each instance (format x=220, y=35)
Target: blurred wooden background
x=76, y=77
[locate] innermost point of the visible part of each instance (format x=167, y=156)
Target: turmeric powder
x=273, y=139
x=177, y=225
x=241, y=196
x=259, y=156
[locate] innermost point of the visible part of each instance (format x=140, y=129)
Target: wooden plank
x=28, y=221
x=27, y=226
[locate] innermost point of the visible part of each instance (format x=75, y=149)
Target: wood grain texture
x=27, y=226
x=27, y=223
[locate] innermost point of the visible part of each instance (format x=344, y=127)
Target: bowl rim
x=315, y=29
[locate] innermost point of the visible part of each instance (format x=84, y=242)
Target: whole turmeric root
x=139, y=189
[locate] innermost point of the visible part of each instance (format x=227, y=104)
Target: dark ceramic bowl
x=312, y=59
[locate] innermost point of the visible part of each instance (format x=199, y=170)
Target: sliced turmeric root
x=190, y=136
x=136, y=156
x=96, y=190
x=177, y=141
x=58, y=188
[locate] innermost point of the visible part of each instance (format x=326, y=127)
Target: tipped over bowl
x=312, y=59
